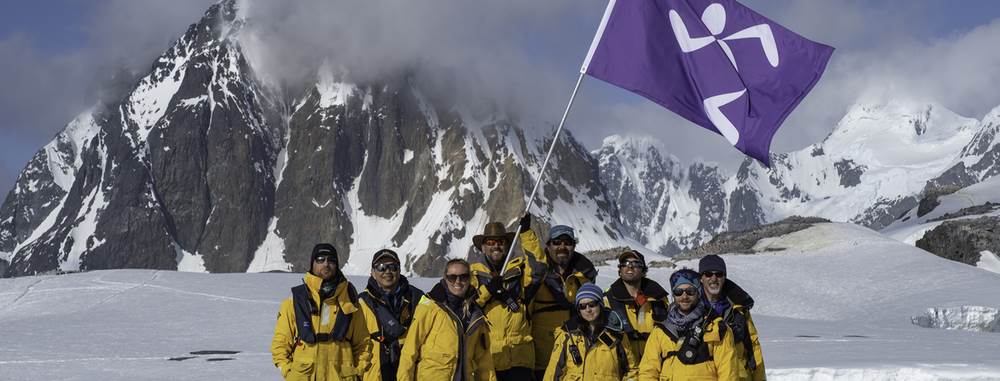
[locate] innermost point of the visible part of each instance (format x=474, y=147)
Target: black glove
x=525, y=224
x=496, y=288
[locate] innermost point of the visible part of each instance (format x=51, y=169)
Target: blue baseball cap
x=561, y=230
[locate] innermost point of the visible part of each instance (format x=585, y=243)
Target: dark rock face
x=883, y=212
x=850, y=173
x=963, y=240
x=745, y=211
x=744, y=241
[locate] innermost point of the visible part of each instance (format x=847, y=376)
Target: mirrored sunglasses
x=321, y=259
x=493, y=242
x=631, y=265
x=387, y=266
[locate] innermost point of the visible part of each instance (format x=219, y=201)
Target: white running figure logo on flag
x=714, y=17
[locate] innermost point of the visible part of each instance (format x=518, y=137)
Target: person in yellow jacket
x=502, y=298
x=691, y=343
x=549, y=297
x=640, y=301
x=590, y=346
x=388, y=303
x=449, y=337
x=320, y=334
x=733, y=304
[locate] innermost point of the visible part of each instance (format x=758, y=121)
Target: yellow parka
x=606, y=358
x=437, y=347
x=511, y=341
x=641, y=318
x=380, y=343
x=734, y=317
x=322, y=360
x=660, y=361
x=551, y=296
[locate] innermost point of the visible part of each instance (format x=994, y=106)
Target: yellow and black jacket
x=440, y=347
x=579, y=357
x=511, y=342
x=713, y=359
x=550, y=297
x=738, y=320
x=387, y=327
x=320, y=340
x=638, y=320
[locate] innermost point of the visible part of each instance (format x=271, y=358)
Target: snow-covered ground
x=841, y=302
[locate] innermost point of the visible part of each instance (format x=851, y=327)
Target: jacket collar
x=578, y=264
x=439, y=295
x=736, y=295
x=650, y=288
x=341, y=296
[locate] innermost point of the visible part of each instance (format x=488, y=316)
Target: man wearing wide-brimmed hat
x=501, y=295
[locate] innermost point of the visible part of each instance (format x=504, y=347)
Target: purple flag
x=716, y=63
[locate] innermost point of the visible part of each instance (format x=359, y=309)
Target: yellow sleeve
x=758, y=374
x=372, y=349
x=283, y=342
x=550, y=370
x=633, y=364
x=415, y=336
x=483, y=359
x=531, y=246
x=652, y=357
x=724, y=356
x=360, y=340
x=483, y=294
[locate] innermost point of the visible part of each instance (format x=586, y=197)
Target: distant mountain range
x=203, y=166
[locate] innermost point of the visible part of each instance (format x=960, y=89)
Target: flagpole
x=541, y=172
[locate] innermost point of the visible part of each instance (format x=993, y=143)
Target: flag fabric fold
x=716, y=63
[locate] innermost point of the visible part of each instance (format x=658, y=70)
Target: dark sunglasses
x=690, y=291
x=717, y=274
x=591, y=304
x=631, y=265
x=562, y=242
x=452, y=278
x=493, y=242
x=388, y=266
x=321, y=259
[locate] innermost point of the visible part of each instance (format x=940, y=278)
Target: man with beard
x=730, y=302
x=549, y=296
x=640, y=301
x=388, y=303
x=320, y=335
x=501, y=295
x=449, y=338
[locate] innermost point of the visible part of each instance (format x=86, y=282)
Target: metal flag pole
x=541, y=172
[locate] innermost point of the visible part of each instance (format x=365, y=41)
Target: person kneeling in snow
x=591, y=346
x=320, y=334
x=692, y=343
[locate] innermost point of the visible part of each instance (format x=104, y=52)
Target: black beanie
x=324, y=249
x=712, y=262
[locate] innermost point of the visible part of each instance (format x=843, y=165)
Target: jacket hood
x=736, y=295
x=650, y=288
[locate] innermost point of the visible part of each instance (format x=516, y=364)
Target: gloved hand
x=496, y=288
x=525, y=223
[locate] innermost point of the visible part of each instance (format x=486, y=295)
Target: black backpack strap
x=304, y=307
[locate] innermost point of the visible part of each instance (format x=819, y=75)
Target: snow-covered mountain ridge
x=204, y=166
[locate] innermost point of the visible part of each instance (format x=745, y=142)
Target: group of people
x=539, y=317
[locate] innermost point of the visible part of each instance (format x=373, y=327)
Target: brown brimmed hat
x=493, y=230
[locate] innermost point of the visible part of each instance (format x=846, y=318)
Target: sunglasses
x=562, y=242
x=717, y=274
x=591, y=304
x=493, y=242
x=631, y=265
x=690, y=291
x=452, y=278
x=388, y=266
x=321, y=259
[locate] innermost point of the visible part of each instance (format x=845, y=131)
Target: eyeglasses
x=631, y=265
x=591, y=304
x=492, y=242
x=321, y=259
x=717, y=274
x=452, y=278
x=386, y=266
x=690, y=291
x=562, y=242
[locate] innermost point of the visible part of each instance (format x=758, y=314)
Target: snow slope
x=838, y=302
x=911, y=227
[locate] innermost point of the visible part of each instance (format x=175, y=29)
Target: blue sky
x=55, y=55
